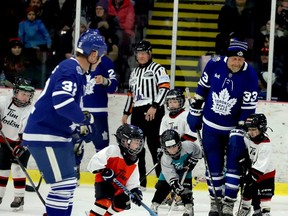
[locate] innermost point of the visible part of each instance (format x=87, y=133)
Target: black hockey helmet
x=175, y=94
x=168, y=139
x=258, y=121
x=143, y=45
x=124, y=135
x=22, y=84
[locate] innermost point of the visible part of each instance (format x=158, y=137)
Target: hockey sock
x=59, y=199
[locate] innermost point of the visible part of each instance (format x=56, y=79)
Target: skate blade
x=17, y=209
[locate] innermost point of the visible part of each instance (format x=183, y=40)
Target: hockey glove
x=176, y=186
x=18, y=151
x=159, y=153
x=85, y=132
x=108, y=174
x=194, y=117
x=249, y=180
x=190, y=162
x=88, y=118
x=137, y=196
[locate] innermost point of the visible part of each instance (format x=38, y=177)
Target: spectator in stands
x=49, y=13
x=68, y=38
x=279, y=32
x=11, y=13
x=280, y=65
x=124, y=11
x=263, y=76
x=107, y=25
x=112, y=47
x=14, y=63
x=237, y=19
x=282, y=14
x=33, y=34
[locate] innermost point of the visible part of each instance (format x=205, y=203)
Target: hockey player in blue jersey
x=50, y=125
x=226, y=95
x=99, y=83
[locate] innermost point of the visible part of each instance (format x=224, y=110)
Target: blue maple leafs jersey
x=58, y=107
x=229, y=97
x=96, y=98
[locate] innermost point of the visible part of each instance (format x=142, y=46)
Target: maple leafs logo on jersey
x=222, y=104
x=91, y=82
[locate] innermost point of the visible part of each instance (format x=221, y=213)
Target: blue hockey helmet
x=90, y=41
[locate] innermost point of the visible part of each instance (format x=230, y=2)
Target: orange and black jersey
x=111, y=157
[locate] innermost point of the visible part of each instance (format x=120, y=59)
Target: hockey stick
x=29, y=188
x=205, y=159
x=23, y=168
x=209, y=174
x=144, y=177
x=128, y=192
x=174, y=197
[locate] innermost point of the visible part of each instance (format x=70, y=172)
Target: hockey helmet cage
x=168, y=139
x=143, y=45
x=23, y=85
x=90, y=41
x=124, y=135
x=258, y=121
x=175, y=94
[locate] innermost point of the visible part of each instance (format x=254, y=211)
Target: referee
x=148, y=86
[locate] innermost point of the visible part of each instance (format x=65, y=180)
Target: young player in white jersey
x=14, y=112
x=260, y=177
x=177, y=158
x=176, y=119
x=119, y=162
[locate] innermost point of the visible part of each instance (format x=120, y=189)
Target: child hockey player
x=176, y=119
x=14, y=112
x=179, y=156
x=120, y=162
x=259, y=182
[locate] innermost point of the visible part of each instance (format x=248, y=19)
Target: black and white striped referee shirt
x=147, y=85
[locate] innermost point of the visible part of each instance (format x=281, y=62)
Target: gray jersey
x=172, y=168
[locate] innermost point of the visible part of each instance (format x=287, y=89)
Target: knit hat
x=31, y=8
x=15, y=42
x=237, y=48
x=103, y=4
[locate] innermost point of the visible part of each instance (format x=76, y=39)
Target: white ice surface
x=84, y=199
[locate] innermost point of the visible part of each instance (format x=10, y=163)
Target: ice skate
x=244, y=212
x=154, y=207
x=257, y=212
x=17, y=203
x=213, y=208
x=188, y=210
x=266, y=212
x=227, y=207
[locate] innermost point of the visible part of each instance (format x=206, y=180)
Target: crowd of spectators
x=250, y=20
x=42, y=33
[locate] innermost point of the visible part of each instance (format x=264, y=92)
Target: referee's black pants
x=151, y=133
